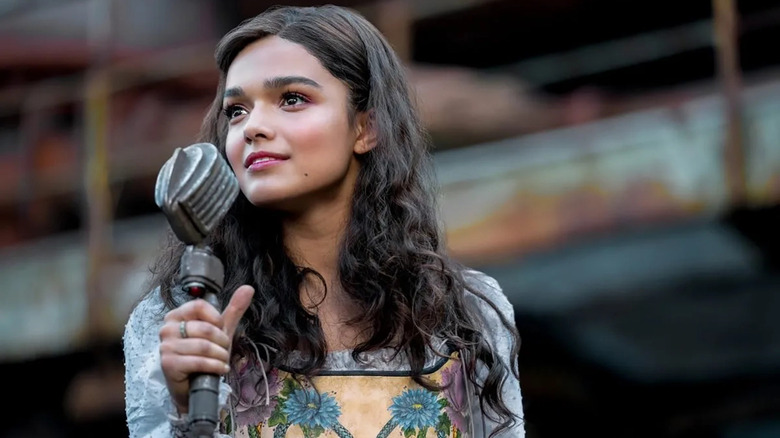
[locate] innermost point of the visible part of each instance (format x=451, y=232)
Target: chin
x=271, y=202
x=264, y=201
x=263, y=195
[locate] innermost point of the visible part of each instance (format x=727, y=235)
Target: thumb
x=235, y=309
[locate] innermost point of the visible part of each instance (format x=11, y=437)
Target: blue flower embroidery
x=307, y=408
x=415, y=409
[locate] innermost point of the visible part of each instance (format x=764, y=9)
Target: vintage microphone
x=195, y=188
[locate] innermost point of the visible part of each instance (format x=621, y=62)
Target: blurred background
x=614, y=164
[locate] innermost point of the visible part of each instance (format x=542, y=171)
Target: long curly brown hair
x=392, y=261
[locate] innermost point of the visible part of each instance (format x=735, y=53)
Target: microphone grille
x=195, y=188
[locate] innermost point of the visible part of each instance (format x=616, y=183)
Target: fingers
x=206, y=346
x=197, y=309
x=195, y=329
x=204, y=350
x=197, y=319
x=195, y=348
x=236, y=308
x=179, y=367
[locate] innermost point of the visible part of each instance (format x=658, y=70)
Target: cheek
x=234, y=149
x=327, y=137
x=309, y=140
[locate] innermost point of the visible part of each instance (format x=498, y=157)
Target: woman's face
x=289, y=140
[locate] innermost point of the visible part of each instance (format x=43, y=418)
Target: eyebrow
x=275, y=83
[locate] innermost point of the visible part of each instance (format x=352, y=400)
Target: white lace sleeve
x=147, y=402
x=499, y=339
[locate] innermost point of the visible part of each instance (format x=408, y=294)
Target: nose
x=258, y=126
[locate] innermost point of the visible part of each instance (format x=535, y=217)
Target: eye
x=292, y=98
x=233, y=111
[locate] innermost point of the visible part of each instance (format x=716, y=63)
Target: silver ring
x=183, y=329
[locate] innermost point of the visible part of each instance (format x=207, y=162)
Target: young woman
x=342, y=314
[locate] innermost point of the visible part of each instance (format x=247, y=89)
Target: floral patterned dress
x=354, y=403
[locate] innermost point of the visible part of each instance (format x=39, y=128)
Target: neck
x=313, y=240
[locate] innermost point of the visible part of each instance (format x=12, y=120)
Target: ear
x=366, y=132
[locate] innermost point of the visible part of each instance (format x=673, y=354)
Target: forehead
x=273, y=56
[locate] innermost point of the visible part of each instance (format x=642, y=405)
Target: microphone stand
x=201, y=275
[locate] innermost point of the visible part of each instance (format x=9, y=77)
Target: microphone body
x=195, y=188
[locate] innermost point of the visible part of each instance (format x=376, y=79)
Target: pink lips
x=261, y=160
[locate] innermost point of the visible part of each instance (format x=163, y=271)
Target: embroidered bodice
x=353, y=403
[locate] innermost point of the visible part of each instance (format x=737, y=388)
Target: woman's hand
x=206, y=347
